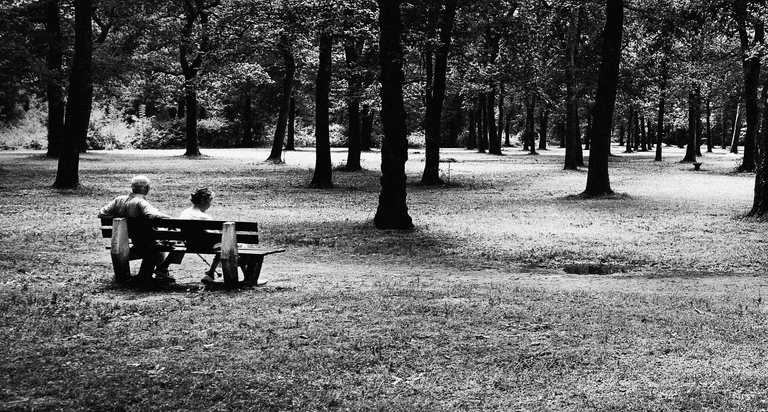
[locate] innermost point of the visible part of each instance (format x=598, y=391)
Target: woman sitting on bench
x=201, y=202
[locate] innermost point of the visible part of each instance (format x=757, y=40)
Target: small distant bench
x=239, y=243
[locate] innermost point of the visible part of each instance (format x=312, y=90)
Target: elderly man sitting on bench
x=135, y=205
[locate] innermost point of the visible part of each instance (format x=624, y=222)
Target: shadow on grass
x=154, y=286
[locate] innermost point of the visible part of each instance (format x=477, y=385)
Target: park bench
x=236, y=242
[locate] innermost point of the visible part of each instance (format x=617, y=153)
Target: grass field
x=511, y=293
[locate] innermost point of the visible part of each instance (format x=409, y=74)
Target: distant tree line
x=476, y=74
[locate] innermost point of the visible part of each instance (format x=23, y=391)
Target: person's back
x=135, y=207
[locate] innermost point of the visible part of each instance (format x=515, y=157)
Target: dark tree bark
x=182, y=108
x=571, y=105
x=501, y=113
x=455, y=120
x=738, y=124
x=482, y=127
x=662, y=108
x=354, y=90
x=751, y=55
x=760, y=202
x=494, y=144
x=543, y=125
x=286, y=50
x=54, y=90
x=622, y=127
x=392, y=212
x=247, y=116
x=690, y=151
x=530, y=123
x=630, y=131
x=492, y=46
x=323, y=168
x=79, y=99
x=193, y=10
x=577, y=137
x=366, y=128
x=507, y=129
x=290, y=141
x=436, y=97
x=472, y=135
x=710, y=143
x=598, y=180
x=643, y=136
x=588, y=134
x=561, y=134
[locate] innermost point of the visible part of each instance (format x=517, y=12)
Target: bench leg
x=229, y=253
x=252, y=269
x=120, y=250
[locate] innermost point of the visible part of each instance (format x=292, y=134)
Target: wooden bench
x=238, y=244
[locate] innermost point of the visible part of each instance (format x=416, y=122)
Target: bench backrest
x=196, y=234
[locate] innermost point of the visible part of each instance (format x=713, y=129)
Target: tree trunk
x=507, y=129
x=286, y=50
x=571, y=107
x=690, y=151
x=79, y=99
x=191, y=69
x=472, y=135
x=588, y=134
x=290, y=141
x=494, y=144
x=436, y=97
x=501, y=113
x=662, y=108
x=598, y=181
x=710, y=143
x=366, y=128
x=54, y=91
x=577, y=136
x=247, y=116
x=190, y=125
x=737, y=125
x=354, y=89
x=630, y=130
x=323, y=167
x=482, y=128
x=543, y=125
x=760, y=202
x=751, y=56
x=530, y=122
x=392, y=212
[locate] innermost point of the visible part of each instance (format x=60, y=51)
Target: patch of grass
x=470, y=311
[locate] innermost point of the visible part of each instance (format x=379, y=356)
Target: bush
x=107, y=130
x=216, y=132
x=416, y=140
x=29, y=131
x=153, y=134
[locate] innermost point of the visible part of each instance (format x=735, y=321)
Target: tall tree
x=286, y=50
x=751, y=52
x=392, y=212
x=436, y=97
x=354, y=91
x=79, y=99
x=598, y=181
x=322, y=177
x=54, y=88
x=192, y=53
x=572, y=137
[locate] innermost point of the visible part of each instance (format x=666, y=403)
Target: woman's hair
x=201, y=195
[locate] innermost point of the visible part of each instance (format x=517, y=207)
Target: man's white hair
x=138, y=183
